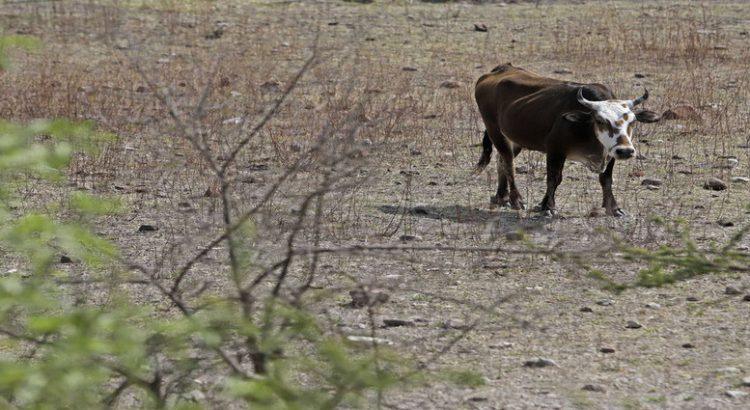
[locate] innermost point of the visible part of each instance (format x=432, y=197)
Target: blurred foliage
x=62, y=346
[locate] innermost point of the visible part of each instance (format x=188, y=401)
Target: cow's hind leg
x=507, y=173
x=608, y=198
x=502, y=198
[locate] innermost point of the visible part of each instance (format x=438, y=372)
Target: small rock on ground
x=740, y=180
x=746, y=382
x=605, y=302
x=369, y=340
x=682, y=112
x=607, y=350
x=715, y=184
x=728, y=370
x=653, y=305
x=594, y=387
x=480, y=27
x=746, y=298
x=450, y=84
x=632, y=324
x=652, y=181
x=540, y=362
x=736, y=394
x=397, y=322
x=731, y=290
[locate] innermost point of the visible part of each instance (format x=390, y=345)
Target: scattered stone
x=746, y=298
x=682, y=112
x=586, y=309
x=715, y=184
x=740, y=180
x=678, y=157
x=632, y=324
x=481, y=27
x=540, y=362
x=501, y=345
x=693, y=299
x=147, y=228
x=409, y=68
x=652, y=182
x=65, y=259
x=522, y=169
x=455, y=324
x=725, y=222
x=476, y=398
x=563, y=71
x=605, y=302
x=296, y=147
x=450, y=84
x=233, y=121
x=270, y=85
x=367, y=297
x=728, y=370
x=420, y=210
x=122, y=44
x=595, y=388
x=746, y=382
x=732, y=163
x=369, y=340
x=731, y=290
x=653, y=305
x=653, y=187
x=415, y=152
x=410, y=238
x=639, y=75
x=397, y=323
x=607, y=350
x=736, y=394
x=688, y=345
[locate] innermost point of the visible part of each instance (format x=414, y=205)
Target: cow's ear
x=647, y=116
x=577, y=116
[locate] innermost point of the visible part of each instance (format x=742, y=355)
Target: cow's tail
x=484, y=160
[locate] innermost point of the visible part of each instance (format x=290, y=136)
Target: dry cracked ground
x=481, y=294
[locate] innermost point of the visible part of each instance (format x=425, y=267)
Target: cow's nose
x=624, y=153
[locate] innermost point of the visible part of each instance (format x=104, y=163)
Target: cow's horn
x=586, y=103
x=640, y=99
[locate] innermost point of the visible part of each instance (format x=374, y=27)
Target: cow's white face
x=613, y=124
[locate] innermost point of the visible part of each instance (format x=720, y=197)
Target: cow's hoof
x=544, y=210
x=500, y=202
x=617, y=212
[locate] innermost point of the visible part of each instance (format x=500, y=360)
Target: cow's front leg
x=608, y=198
x=555, y=165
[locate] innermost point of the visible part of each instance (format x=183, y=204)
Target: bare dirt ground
x=379, y=82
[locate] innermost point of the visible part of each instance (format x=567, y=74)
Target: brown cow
x=565, y=120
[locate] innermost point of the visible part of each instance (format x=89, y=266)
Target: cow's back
x=526, y=106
